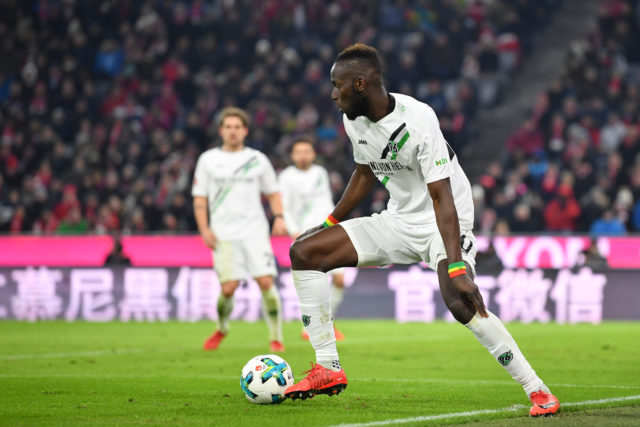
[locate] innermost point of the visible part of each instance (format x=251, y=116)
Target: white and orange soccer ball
x=265, y=378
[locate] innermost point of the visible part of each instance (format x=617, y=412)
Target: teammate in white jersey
x=429, y=218
x=307, y=200
x=227, y=185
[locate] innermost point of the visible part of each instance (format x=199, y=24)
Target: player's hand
x=209, y=239
x=310, y=231
x=470, y=292
x=279, y=228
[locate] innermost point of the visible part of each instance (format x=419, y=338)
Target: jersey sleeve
x=268, y=180
x=433, y=152
x=357, y=155
x=288, y=203
x=199, y=187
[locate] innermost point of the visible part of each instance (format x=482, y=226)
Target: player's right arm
x=359, y=186
x=200, y=208
x=199, y=191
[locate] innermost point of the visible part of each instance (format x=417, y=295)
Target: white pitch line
x=481, y=412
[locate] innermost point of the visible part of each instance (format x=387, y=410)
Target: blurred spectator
x=592, y=258
x=117, y=257
x=73, y=223
x=527, y=140
x=608, y=225
x=562, y=212
x=488, y=261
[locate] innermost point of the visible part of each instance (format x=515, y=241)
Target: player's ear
x=359, y=83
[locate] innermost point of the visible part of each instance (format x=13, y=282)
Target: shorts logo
x=306, y=320
x=465, y=243
x=505, y=358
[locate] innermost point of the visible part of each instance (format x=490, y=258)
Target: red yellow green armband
x=457, y=269
x=330, y=221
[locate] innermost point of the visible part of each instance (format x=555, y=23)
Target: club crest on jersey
x=306, y=320
x=396, y=141
x=393, y=147
x=505, y=358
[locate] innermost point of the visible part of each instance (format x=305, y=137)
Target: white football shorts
x=382, y=240
x=240, y=259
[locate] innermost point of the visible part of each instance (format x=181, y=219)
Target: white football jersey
x=232, y=181
x=306, y=197
x=406, y=150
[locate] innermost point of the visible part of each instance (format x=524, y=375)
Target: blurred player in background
x=397, y=140
x=307, y=200
x=227, y=185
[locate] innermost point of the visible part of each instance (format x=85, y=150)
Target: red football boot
x=214, y=341
x=276, y=346
x=319, y=380
x=544, y=404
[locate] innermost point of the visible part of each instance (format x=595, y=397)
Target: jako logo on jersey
x=441, y=162
x=362, y=141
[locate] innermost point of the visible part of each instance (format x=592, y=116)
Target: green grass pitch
x=57, y=373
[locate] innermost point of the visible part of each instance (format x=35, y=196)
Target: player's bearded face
x=357, y=105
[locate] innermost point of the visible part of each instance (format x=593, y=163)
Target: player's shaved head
x=362, y=56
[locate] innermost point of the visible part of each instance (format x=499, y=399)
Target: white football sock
x=225, y=305
x=272, y=312
x=493, y=335
x=313, y=292
x=337, y=293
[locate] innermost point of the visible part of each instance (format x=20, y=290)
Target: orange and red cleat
x=319, y=380
x=214, y=341
x=276, y=346
x=544, y=404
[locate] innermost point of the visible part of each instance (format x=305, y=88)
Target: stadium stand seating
x=574, y=165
x=105, y=105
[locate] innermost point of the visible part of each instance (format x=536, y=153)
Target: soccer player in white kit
x=397, y=140
x=227, y=185
x=307, y=200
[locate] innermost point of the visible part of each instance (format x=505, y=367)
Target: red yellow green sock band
x=330, y=221
x=457, y=269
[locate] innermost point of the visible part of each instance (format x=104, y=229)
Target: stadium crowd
x=574, y=164
x=106, y=104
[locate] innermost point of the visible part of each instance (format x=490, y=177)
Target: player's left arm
x=275, y=203
x=437, y=166
x=449, y=227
